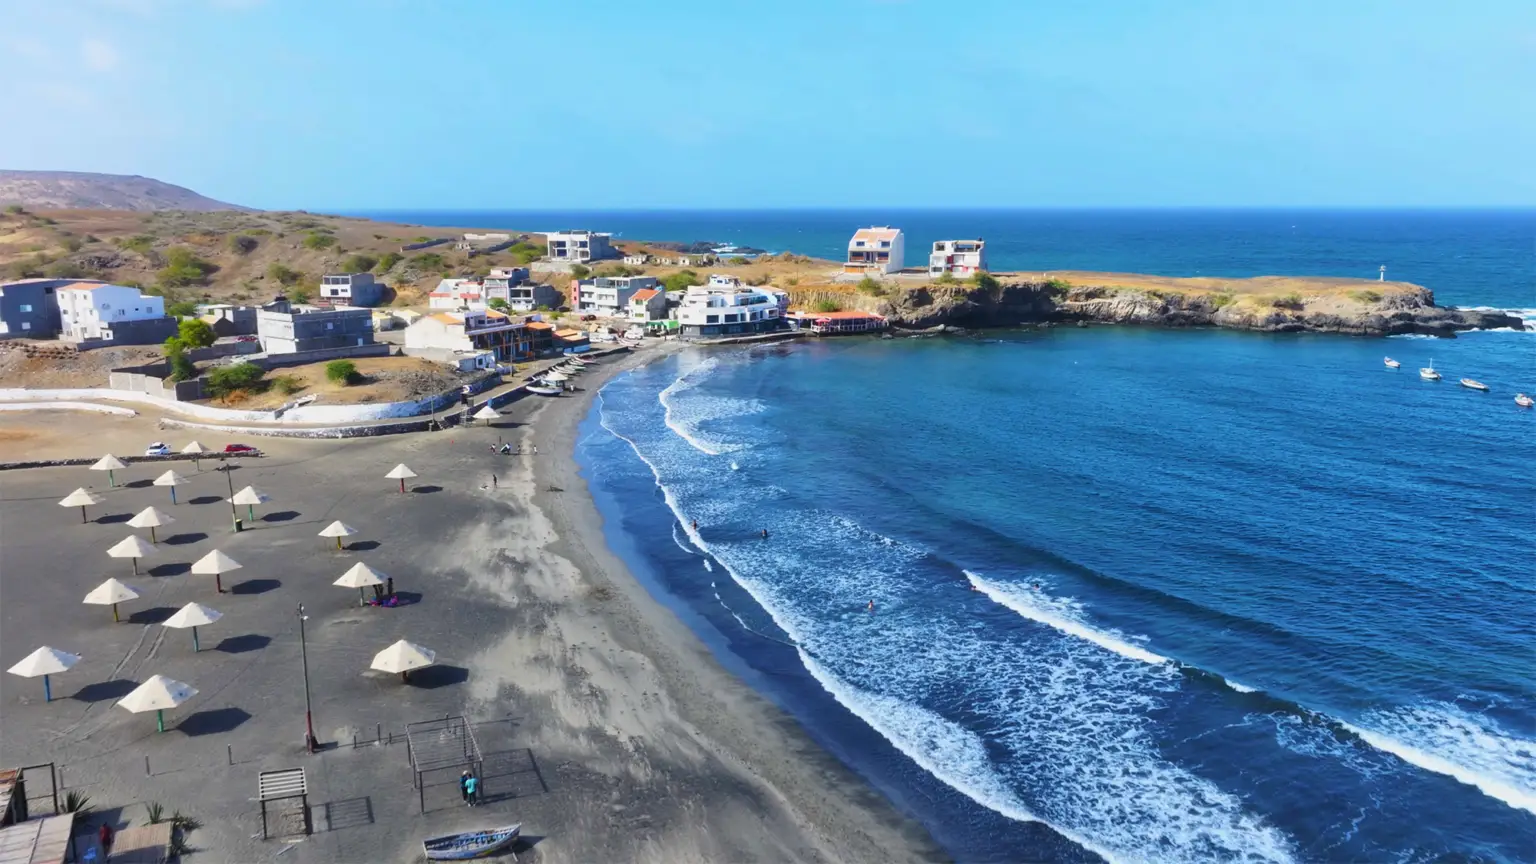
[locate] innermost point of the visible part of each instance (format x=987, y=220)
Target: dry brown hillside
x=53, y=190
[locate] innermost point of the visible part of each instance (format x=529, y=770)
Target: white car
x=157, y=449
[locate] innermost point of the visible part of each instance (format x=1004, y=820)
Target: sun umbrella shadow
x=212, y=721
x=281, y=516
x=138, y=484
x=176, y=568
x=153, y=615
x=426, y=490
x=255, y=586
x=242, y=644
x=182, y=539
x=205, y=499
x=104, y=690
x=113, y=518
x=363, y=546
x=439, y=675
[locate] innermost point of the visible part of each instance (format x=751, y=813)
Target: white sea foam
x=1062, y=613
x=1241, y=688
x=1446, y=739
x=686, y=412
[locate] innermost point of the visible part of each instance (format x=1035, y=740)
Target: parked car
x=247, y=338
x=589, y=317
x=240, y=448
x=157, y=449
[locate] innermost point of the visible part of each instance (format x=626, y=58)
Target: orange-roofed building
x=96, y=311
x=647, y=305
x=447, y=333
x=880, y=249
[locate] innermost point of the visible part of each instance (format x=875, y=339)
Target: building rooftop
x=84, y=286
x=644, y=294
x=876, y=232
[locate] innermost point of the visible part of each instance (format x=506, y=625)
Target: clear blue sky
x=358, y=104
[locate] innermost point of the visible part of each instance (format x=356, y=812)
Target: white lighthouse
x=1383, y=276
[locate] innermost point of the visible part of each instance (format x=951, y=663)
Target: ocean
x=1119, y=593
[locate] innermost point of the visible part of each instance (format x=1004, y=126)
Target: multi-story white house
x=458, y=294
x=350, y=289
x=442, y=334
x=95, y=310
x=580, y=246
x=879, y=249
x=636, y=260
x=723, y=308
x=647, y=305
x=609, y=295
x=957, y=257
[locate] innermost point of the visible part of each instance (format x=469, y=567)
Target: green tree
x=195, y=333
x=499, y=304
x=681, y=280
x=342, y=372
x=15, y=210
x=388, y=262
x=359, y=263
x=946, y=278
x=288, y=384
x=300, y=295
x=580, y=271
x=525, y=253
x=316, y=240
x=429, y=261
x=240, y=376
x=183, y=268
x=283, y=275
x=182, y=367
x=985, y=281
x=184, y=309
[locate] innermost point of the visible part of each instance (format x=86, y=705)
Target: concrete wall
x=147, y=331
x=299, y=358
x=425, y=244
x=158, y=386
x=42, y=319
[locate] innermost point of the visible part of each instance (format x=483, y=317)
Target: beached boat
x=1523, y=400
x=470, y=844
x=1391, y=364
x=544, y=390
x=1428, y=373
x=1474, y=385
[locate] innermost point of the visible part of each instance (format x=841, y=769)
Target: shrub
x=182, y=368
x=1365, y=296
x=242, y=244
x=1221, y=300
x=387, y=263
x=195, y=333
x=792, y=281
x=581, y=271
x=1287, y=301
x=259, y=232
x=869, y=285
x=155, y=812
x=75, y=801
x=283, y=275
x=64, y=270
x=617, y=270
x=15, y=210
x=74, y=244
x=682, y=279
x=225, y=380
x=342, y=372
x=826, y=305
x=421, y=239
x=498, y=304
x=316, y=240
x=525, y=253
x=1058, y=286
x=183, y=268
x=428, y=261
x=946, y=278
x=299, y=295
x=359, y=263
x=759, y=279
x=737, y=261
x=985, y=281
x=184, y=309
x=143, y=244
x=288, y=384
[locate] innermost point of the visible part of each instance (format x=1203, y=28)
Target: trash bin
x=239, y=525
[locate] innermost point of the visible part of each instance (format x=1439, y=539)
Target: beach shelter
x=216, y=564
x=171, y=479
x=487, y=414
x=109, y=463
x=194, y=615
x=111, y=593
x=195, y=450
x=157, y=694
x=403, y=657
x=150, y=518
x=338, y=529
x=250, y=496
x=132, y=546
x=360, y=576
x=81, y=498
x=43, y=662
x=401, y=473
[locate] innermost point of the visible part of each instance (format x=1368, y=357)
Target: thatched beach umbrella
x=401, y=473
x=403, y=657
x=215, y=563
x=338, y=529
x=81, y=498
x=171, y=479
x=194, y=615
x=487, y=414
x=43, y=662
x=157, y=694
x=360, y=576
x=111, y=593
x=250, y=496
x=132, y=546
x=109, y=463
x=195, y=450
x=150, y=518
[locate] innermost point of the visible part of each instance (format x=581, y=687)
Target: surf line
x=748, y=627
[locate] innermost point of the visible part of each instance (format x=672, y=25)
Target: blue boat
x=470, y=844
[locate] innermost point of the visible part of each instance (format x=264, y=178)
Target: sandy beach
x=612, y=733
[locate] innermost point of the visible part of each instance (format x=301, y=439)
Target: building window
x=711, y=319
x=26, y=325
x=26, y=307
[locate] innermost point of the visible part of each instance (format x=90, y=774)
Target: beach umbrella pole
x=47, y=690
x=338, y=542
x=152, y=535
x=402, y=485
x=250, y=512
x=111, y=481
x=173, y=494
x=360, y=600
x=160, y=720
x=115, y=619
x=195, y=647
x=135, y=565
x=218, y=582
x=83, y=520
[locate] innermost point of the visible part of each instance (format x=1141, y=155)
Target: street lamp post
x=234, y=514
x=309, y=717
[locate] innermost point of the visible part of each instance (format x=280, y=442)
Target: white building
x=445, y=335
x=609, y=295
x=957, y=257
x=350, y=289
x=724, y=310
x=90, y=310
x=580, y=246
x=880, y=249
x=647, y=305
x=636, y=260
x=458, y=294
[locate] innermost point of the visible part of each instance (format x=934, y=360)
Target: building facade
x=957, y=257
x=350, y=289
x=723, y=309
x=580, y=246
x=228, y=320
x=451, y=294
x=90, y=311
x=288, y=329
x=30, y=308
x=528, y=296
x=505, y=337
x=609, y=295
x=879, y=249
x=647, y=305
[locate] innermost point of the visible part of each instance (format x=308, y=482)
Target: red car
x=239, y=448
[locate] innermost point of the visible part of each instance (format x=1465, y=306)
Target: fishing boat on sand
x=1523, y=400
x=1428, y=373
x=1391, y=364
x=1474, y=385
x=470, y=844
x=543, y=390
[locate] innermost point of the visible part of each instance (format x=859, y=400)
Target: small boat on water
x=1428, y=373
x=470, y=844
x=1391, y=364
x=1474, y=385
x=543, y=390
x=1523, y=400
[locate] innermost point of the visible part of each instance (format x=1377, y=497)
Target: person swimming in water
x=871, y=607
x=765, y=533
x=695, y=524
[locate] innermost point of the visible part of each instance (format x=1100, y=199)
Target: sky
x=352, y=105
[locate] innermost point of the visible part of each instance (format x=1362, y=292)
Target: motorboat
x=1523, y=400
x=1391, y=364
x=1428, y=373
x=543, y=390
x=469, y=845
x=1474, y=385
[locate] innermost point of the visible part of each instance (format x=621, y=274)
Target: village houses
x=647, y=305
x=95, y=311
x=350, y=289
x=580, y=246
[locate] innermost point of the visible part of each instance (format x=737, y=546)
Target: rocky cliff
x=1385, y=310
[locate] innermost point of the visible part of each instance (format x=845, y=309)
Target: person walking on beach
x=471, y=790
x=493, y=481
x=464, y=787
x=104, y=837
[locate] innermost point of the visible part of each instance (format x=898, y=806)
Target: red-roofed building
x=880, y=249
x=647, y=305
